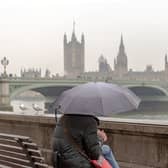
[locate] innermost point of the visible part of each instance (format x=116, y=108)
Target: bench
x=19, y=152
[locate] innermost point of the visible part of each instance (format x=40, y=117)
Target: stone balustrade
x=135, y=143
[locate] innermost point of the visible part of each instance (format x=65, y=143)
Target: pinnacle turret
x=73, y=33
x=166, y=59
x=122, y=43
x=65, y=38
x=82, y=38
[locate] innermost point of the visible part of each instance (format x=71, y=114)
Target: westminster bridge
x=148, y=91
x=53, y=87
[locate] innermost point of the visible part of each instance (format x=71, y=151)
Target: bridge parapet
x=19, y=86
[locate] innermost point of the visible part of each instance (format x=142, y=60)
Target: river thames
x=28, y=103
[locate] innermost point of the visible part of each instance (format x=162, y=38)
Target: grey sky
x=31, y=31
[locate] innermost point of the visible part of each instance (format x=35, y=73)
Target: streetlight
x=4, y=63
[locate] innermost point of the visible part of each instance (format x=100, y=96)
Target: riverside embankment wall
x=135, y=143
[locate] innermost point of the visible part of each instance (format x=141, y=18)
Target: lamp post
x=4, y=63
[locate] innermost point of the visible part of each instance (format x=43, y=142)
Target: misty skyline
x=31, y=32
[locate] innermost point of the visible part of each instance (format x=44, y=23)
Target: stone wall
x=39, y=128
x=135, y=143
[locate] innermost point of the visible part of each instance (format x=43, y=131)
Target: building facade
x=121, y=72
x=74, y=55
x=104, y=67
x=30, y=73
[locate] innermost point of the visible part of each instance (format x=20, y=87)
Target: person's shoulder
x=83, y=118
x=92, y=119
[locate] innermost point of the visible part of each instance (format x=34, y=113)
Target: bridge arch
x=148, y=90
x=43, y=89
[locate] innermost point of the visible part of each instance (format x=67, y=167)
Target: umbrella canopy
x=98, y=99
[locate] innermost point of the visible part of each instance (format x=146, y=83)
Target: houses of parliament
x=74, y=64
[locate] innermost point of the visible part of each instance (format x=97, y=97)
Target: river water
x=163, y=115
